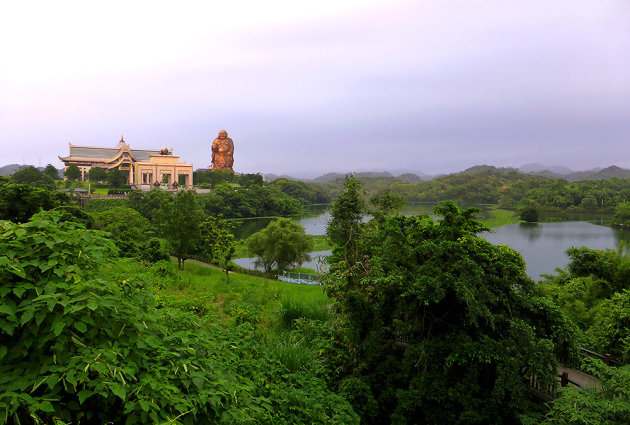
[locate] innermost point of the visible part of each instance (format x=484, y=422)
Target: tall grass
x=292, y=309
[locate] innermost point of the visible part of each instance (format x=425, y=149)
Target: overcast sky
x=308, y=87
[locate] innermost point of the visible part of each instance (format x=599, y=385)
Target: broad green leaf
x=145, y=405
x=84, y=394
x=57, y=327
x=46, y=406
x=19, y=291
x=119, y=390
x=27, y=316
x=81, y=327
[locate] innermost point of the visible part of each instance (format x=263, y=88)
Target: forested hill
x=505, y=186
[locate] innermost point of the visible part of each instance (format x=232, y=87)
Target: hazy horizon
x=305, y=89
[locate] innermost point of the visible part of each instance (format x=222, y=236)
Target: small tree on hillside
x=179, y=222
x=282, y=244
x=73, y=172
x=216, y=239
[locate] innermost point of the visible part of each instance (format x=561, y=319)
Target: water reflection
x=543, y=245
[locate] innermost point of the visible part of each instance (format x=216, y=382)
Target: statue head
x=222, y=134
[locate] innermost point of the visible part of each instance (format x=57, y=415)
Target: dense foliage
x=608, y=405
x=444, y=327
x=306, y=193
x=80, y=347
x=18, y=202
x=594, y=292
x=253, y=201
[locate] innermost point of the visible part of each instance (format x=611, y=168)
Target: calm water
x=542, y=245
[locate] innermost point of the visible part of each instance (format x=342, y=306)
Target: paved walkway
x=580, y=378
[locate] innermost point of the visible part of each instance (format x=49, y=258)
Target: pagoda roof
x=104, y=154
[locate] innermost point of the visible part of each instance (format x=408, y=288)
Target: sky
x=309, y=87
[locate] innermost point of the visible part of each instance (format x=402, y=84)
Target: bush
x=153, y=251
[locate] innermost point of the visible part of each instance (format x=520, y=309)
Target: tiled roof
x=107, y=153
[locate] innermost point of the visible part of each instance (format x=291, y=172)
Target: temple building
x=146, y=168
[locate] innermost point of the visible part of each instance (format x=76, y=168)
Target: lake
x=542, y=245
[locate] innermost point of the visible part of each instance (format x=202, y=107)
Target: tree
x=51, y=171
x=280, y=245
x=345, y=226
x=27, y=175
x=529, y=211
x=247, y=180
x=622, y=214
x=116, y=177
x=216, y=242
x=72, y=172
x=148, y=204
x=126, y=226
x=18, y=202
x=385, y=204
x=179, y=222
x=442, y=326
x=97, y=174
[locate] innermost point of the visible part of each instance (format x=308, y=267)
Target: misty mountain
x=7, y=170
x=538, y=168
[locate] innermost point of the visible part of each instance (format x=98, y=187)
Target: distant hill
x=406, y=177
x=540, y=169
x=610, y=172
x=411, y=178
x=12, y=168
x=479, y=168
x=329, y=177
x=9, y=169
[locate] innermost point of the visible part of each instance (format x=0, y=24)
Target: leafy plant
x=80, y=347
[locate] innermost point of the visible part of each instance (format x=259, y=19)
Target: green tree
x=386, y=203
x=179, y=222
x=216, y=241
x=116, y=177
x=72, y=172
x=280, y=245
x=18, y=202
x=622, y=214
x=529, y=211
x=247, y=180
x=27, y=175
x=213, y=177
x=443, y=327
x=51, y=171
x=345, y=227
x=126, y=226
x=149, y=203
x=97, y=174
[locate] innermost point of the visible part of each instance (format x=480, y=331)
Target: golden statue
x=223, y=152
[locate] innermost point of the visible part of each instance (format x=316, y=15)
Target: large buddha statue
x=223, y=152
